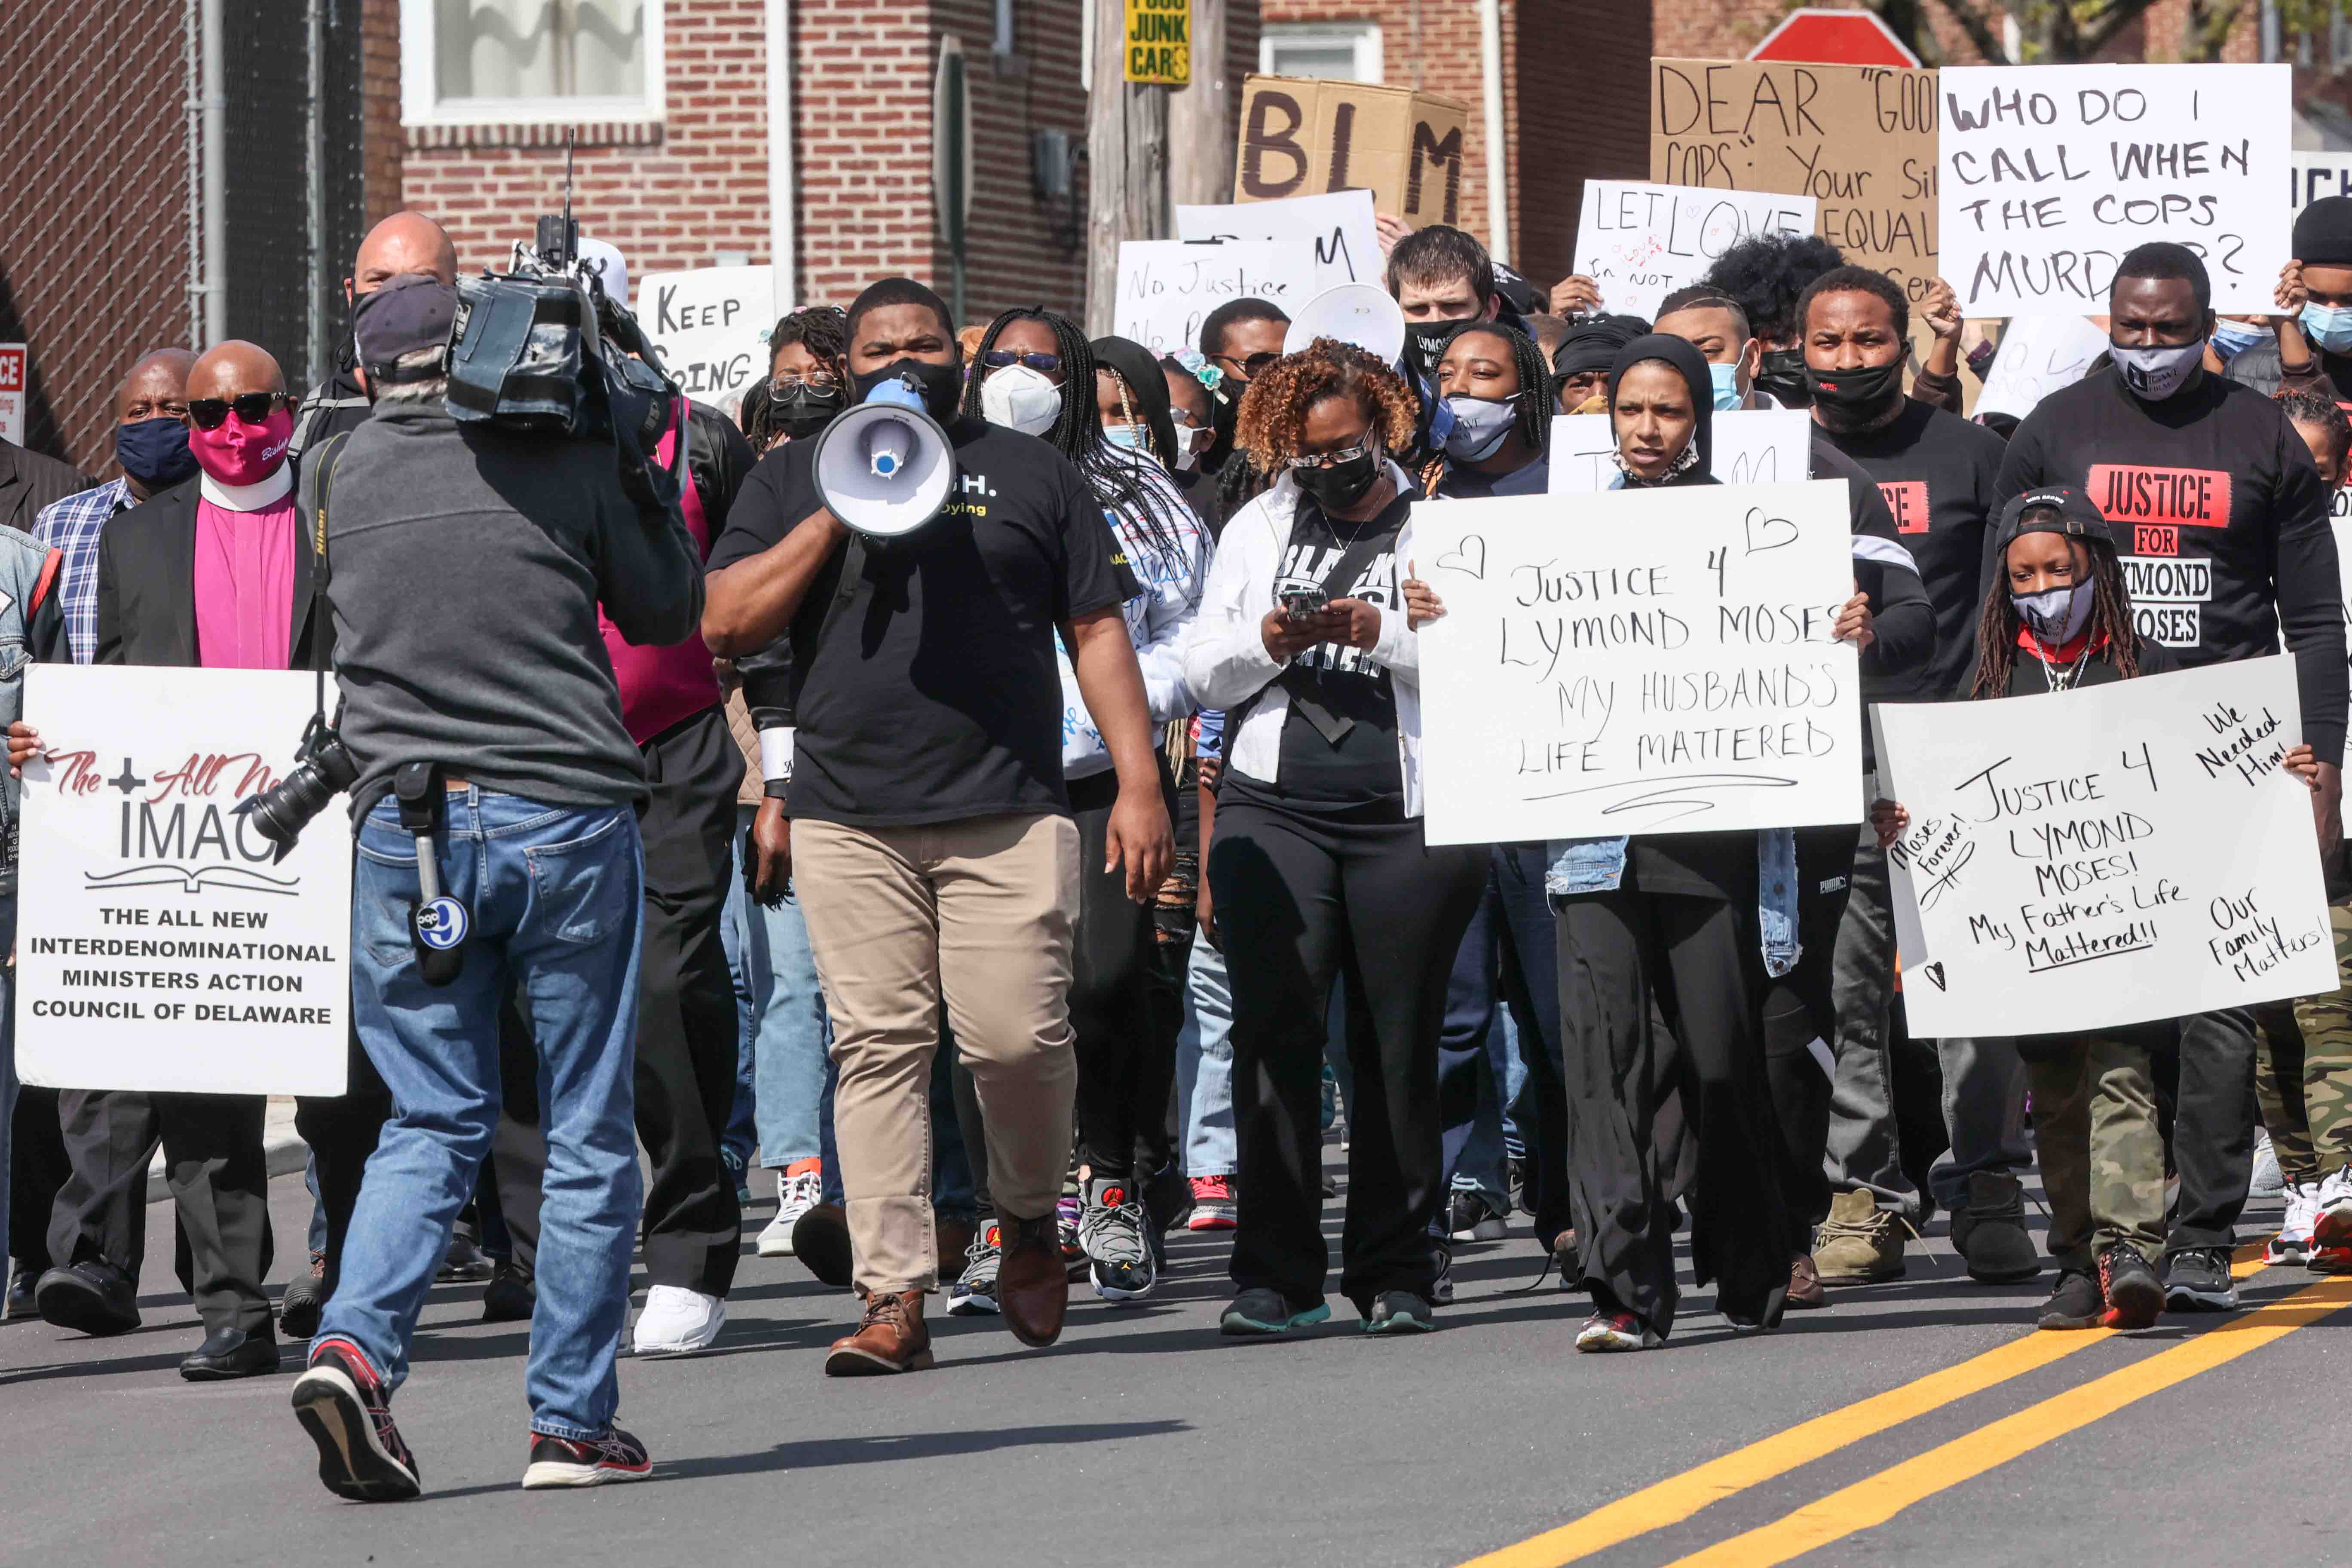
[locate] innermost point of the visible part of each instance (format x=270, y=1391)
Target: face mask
x=1725, y=378
x=2056, y=615
x=1480, y=426
x=1020, y=399
x=803, y=410
x=2329, y=326
x=1861, y=391
x=1781, y=375
x=1337, y=488
x=1126, y=437
x=154, y=452
x=2156, y=373
x=242, y=454
x=941, y=385
x=2231, y=339
x=1425, y=344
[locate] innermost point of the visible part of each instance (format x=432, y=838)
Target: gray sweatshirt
x=466, y=570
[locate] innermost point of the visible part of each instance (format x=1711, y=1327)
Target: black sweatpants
x=38, y=1168
x=1127, y=1057
x=2213, y=1117
x=1302, y=902
x=1661, y=1002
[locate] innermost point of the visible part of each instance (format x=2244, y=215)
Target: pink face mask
x=242, y=454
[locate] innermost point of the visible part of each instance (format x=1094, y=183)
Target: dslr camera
x=323, y=769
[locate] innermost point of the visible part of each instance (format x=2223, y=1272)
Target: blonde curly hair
x=1275, y=408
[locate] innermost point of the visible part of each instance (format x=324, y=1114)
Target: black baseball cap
x=2076, y=517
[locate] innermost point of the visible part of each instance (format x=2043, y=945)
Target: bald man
x=406, y=242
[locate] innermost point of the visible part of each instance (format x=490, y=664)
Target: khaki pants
x=2102, y=1154
x=977, y=914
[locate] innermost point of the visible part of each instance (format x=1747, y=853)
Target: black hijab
x=1146, y=388
x=1592, y=343
x=1691, y=365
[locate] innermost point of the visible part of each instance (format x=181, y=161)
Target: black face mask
x=942, y=385
x=1856, y=393
x=1781, y=373
x=803, y=410
x=1342, y=484
x=1425, y=343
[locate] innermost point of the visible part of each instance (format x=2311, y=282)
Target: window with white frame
x=1343, y=51
x=471, y=62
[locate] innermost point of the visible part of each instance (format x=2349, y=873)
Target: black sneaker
x=1400, y=1313
x=305, y=1298
x=2077, y=1302
x=341, y=1404
x=585, y=1462
x=1470, y=1217
x=2133, y=1297
x=1262, y=1312
x=512, y=1294
x=1441, y=1291
x=2197, y=1280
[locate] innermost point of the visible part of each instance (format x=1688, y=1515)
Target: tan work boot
x=892, y=1338
x=1859, y=1244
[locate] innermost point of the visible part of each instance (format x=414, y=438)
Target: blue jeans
x=1204, y=1065
x=789, y=1031
x=8, y=1085
x=557, y=896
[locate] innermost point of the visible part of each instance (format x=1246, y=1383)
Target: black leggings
x=1126, y=1051
x=1303, y=902
x=1798, y=1011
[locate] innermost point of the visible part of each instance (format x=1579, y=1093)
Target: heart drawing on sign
x=1766, y=531
x=1469, y=557
x=1935, y=972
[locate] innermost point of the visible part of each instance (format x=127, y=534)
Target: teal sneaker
x=1400, y=1313
x=1262, y=1312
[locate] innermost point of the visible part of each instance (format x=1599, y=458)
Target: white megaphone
x=885, y=467
x=1357, y=313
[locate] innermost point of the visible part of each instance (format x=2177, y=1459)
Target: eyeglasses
x=1331, y=460
x=1185, y=418
x=253, y=407
x=785, y=386
x=1252, y=367
x=1000, y=359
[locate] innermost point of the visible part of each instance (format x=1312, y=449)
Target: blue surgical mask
x=1726, y=385
x=2231, y=339
x=1130, y=436
x=2329, y=327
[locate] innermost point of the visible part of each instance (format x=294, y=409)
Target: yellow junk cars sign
x=1159, y=42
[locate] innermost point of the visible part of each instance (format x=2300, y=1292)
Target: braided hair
x=1536, y=398
x=1076, y=433
x=2110, y=621
x=824, y=331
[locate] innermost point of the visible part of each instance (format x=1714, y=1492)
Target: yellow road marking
x=1872, y=1502
x=1677, y=1498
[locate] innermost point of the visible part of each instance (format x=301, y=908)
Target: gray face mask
x=2056, y=615
x=2156, y=373
x=1480, y=426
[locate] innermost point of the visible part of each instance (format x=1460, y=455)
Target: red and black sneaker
x=341, y=1404
x=2135, y=1296
x=586, y=1462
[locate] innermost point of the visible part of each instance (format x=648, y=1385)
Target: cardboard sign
x=1166, y=287
x=1339, y=226
x=1637, y=661
x=1158, y=42
x=14, y=370
x=2038, y=356
x=1752, y=445
x=1640, y=243
x=163, y=947
x=1859, y=139
x=2318, y=174
x=2050, y=175
x=1301, y=135
x=711, y=326
x=2107, y=856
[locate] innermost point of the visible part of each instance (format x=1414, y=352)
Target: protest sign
x=2051, y=173
x=13, y=369
x=711, y=327
x=2038, y=356
x=1166, y=286
x=1752, y=445
x=1640, y=243
x=1338, y=225
x=171, y=952
x=1637, y=661
x=2104, y=856
x=1860, y=140
x=1301, y=135
x=1158, y=42
x=2318, y=174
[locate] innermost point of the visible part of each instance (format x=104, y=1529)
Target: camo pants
x=2101, y=1155
x=2304, y=1075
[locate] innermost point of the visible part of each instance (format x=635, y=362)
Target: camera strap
x=438, y=921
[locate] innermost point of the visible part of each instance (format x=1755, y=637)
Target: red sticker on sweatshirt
x=2127, y=493
x=1907, y=499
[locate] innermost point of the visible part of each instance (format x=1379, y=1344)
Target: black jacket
x=147, y=587
x=29, y=481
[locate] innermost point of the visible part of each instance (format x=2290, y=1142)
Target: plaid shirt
x=72, y=526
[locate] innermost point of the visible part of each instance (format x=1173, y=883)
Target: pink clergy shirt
x=244, y=573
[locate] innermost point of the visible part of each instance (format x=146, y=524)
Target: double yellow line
x=1879, y=1497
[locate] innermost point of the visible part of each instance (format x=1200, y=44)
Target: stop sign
x=1818, y=36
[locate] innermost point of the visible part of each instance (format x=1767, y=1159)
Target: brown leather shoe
x=891, y=1339
x=1033, y=1289
x=955, y=1240
x=1805, y=1282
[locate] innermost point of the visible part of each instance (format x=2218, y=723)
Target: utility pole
x=1127, y=163
x=1203, y=123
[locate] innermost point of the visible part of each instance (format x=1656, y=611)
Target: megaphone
x=1357, y=313
x=885, y=467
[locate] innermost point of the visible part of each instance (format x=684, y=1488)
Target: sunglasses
x=253, y=407
x=1000, y=359
x=1252, y=367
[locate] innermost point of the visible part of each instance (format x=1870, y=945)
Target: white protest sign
x=2050, y=174
x=2038, y=356
x=2318, y=174
x=1167, y=286
x=162, y=948
x=12, y=392
x=2107, y=856
x=1637, y=661
x=1642, y=242
x=1338, y=225
x=1752, y=445
x=711, y=326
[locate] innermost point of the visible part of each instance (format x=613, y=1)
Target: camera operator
x=467, y=565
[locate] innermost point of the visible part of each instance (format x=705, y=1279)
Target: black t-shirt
x=931, y=695
x=2222, y=519
x=1938, y=473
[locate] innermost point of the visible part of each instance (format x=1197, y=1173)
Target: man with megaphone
x=921, y=562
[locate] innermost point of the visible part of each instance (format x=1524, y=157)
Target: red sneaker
x=1213, y=1204
x=342, y=1403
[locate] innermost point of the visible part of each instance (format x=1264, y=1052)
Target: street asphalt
x=1143, y=1437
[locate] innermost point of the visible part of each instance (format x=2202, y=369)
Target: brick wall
x=380, y=89
x=1563, y=138
x=861, y=113
x=1728, y=29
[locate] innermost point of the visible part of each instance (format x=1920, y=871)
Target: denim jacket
x=1598, y=865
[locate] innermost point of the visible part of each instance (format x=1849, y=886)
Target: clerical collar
x=248, y=498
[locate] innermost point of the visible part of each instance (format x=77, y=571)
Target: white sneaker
x=2293, y=1242
x=2269, y=1180
x=796, y=1195
x=2331, y=1224
x=679, y=1322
